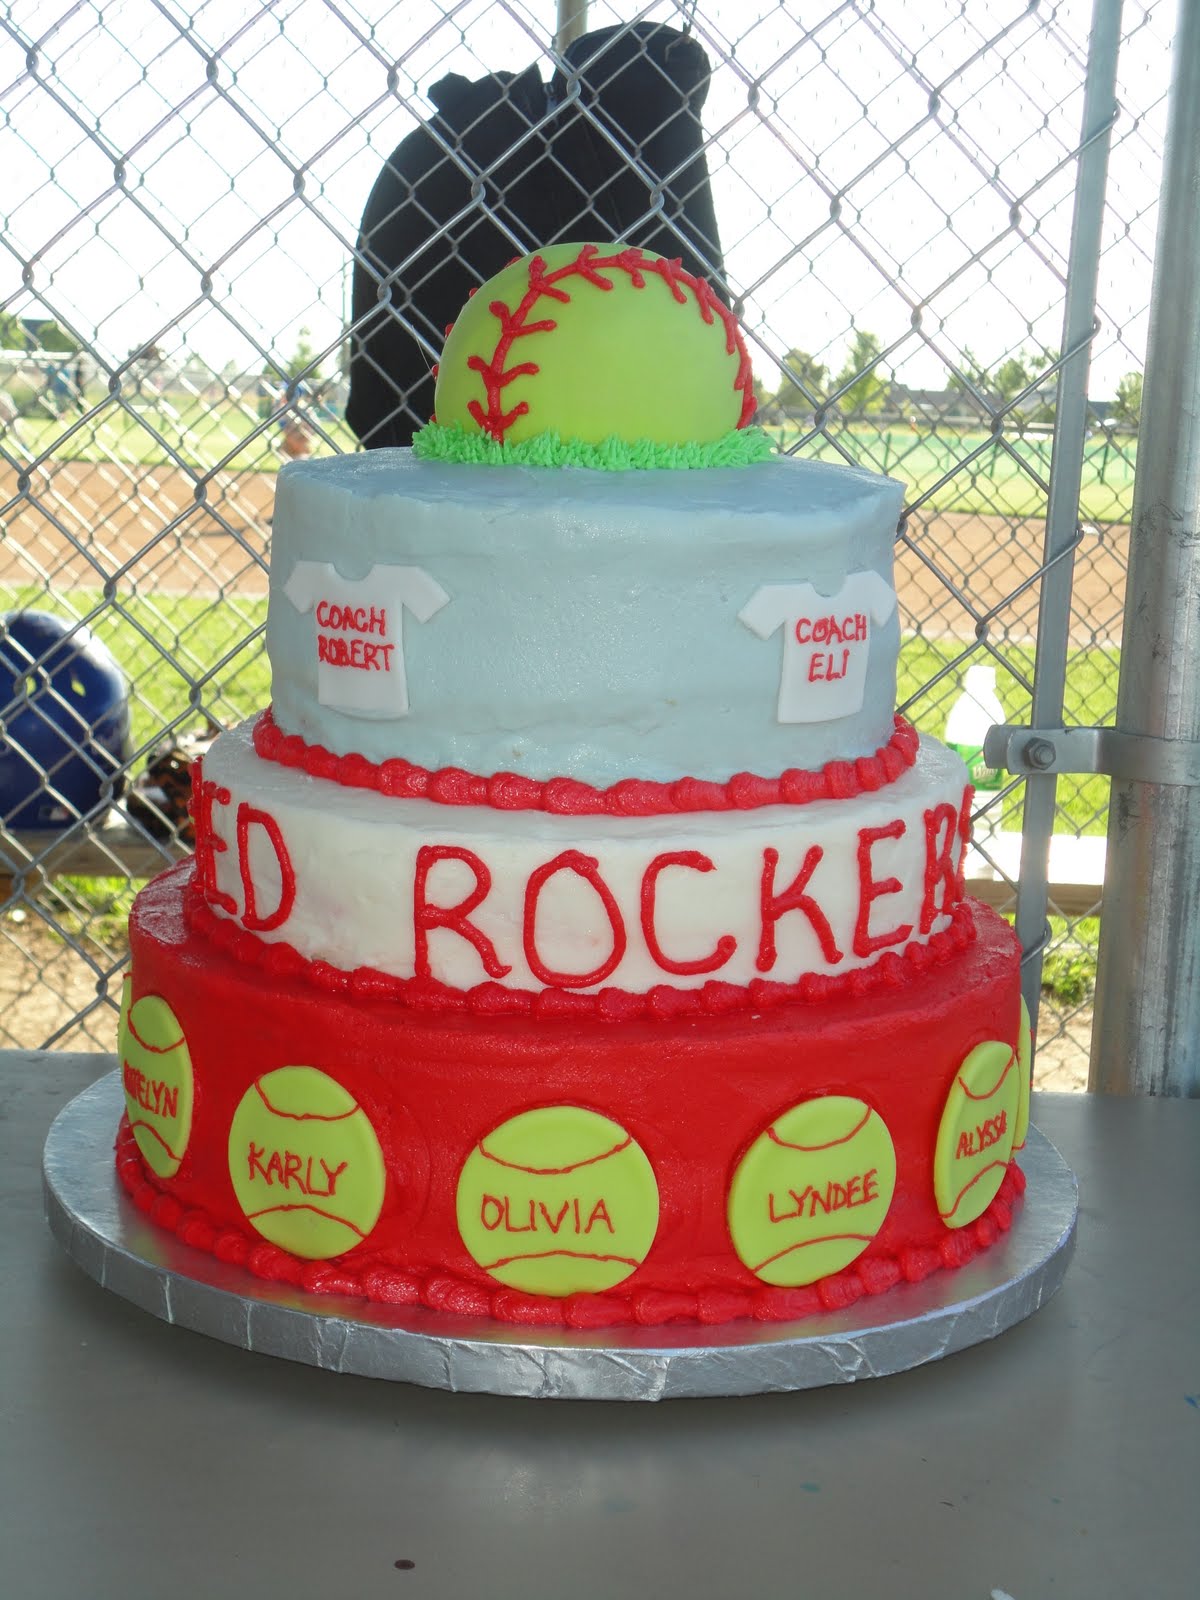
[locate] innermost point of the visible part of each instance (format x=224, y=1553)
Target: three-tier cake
x=579, y=938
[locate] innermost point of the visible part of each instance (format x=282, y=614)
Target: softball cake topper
x=595, y=355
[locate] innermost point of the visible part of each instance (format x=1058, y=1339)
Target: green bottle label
x=982, y=776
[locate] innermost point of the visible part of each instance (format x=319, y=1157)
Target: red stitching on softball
x=588, y=265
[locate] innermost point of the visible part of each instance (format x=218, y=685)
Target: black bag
x=620, y=157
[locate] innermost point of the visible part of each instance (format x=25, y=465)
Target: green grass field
x=155, y=433
x=986, y=476
x=958, y=471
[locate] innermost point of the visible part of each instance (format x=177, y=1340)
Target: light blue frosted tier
x=567, y=622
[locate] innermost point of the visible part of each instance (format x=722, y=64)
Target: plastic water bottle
x=972, y=714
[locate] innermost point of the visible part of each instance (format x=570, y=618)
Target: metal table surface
x=1062, y=1459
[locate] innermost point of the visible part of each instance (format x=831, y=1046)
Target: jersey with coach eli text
x=826, y=641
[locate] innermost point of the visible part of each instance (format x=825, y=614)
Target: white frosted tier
x=364, y=878
x=584, y=624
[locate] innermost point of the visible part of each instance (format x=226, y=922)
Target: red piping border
x=442, y=1291
x=631, y=797
x=893, y=970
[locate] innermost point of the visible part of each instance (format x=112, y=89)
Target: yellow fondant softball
x=156, y=1074
x=305, y=1163
x=1025, y=1062
x=975, y=1137
x=812, y=1191
x=593, y=341
x=558, y=1201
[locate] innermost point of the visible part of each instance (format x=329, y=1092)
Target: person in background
x=295, y=434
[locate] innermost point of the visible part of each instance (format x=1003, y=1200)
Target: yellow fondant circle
x=1025, y=1062
x=305, y=1163
x=812, y=1191
x=975, y=1138
x=558, y=1201
x=637, y=362
x=156, y=1074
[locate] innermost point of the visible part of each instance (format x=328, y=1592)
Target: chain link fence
x=893, y=187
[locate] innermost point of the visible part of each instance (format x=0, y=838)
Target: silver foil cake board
x=105, y=1234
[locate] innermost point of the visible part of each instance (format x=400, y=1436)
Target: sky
x=193, y=175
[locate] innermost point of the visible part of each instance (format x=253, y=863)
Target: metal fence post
x=1066, y=473
x=1146, y=1035
x=572, y=23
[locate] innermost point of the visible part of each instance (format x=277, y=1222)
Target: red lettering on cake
x=290, y=1169
x=152, y=1094
x=588, y=868
x=335, y=651
x=503, y=1213
x=871, y=889
x=941, y=870
x=827, y=668
x=351, y=619
x=858, y=1190
x=831, y=630
x=209, y=845
x=248, y=817
x=725, y=945
x=974, y=1141
x=793, y=898
x=427, y=917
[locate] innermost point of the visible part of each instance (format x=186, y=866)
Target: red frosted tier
x=695, y=1093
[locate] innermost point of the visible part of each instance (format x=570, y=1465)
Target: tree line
x=1022, y=383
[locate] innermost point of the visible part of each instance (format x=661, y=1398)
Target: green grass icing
x=740, y=447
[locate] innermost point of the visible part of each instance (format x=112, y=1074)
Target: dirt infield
x=78, y=526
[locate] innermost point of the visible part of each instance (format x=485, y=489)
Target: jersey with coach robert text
x=826, y=642
x=360, y=632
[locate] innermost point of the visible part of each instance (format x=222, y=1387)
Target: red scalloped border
x=649, y=1308
x=893, y=970
x=631, y=797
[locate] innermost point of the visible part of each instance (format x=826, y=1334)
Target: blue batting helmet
x=64, y=721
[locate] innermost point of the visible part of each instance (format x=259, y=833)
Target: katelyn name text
x=151, y=1093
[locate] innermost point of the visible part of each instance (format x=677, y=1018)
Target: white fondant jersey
x=359, y=636
x=826, y=642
